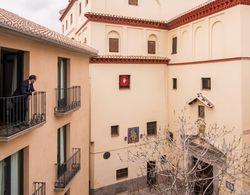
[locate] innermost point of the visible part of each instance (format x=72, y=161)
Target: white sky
x=44, y=12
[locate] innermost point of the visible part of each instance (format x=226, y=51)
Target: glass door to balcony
x=11, y=175
x=61, y=150
x=62, y=83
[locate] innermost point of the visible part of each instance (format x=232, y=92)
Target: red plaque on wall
x=124, y=81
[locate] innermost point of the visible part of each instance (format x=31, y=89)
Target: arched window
x=114, y=42
x=152, y=44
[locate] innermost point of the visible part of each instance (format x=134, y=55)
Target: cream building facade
x=166, y=54
x=44, y=150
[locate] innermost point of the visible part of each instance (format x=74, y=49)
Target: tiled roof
x=15, y=23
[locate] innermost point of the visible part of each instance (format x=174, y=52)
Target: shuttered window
x=114, y=45
x=151, y=47
x=174, y=45
x=122, y=173
x=152, y=128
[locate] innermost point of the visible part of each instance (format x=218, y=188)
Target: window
x=174, y=83
x=133, y=2
x=114, y=45
x=11, y=174
x=206, y=83
x=62, y=28
x=80, y=8
x=71, y=19
x=114, y=131
x=201, y=111
x=122, y=173
x=66, y=24
x=61, y=150
x=86, y=2
x=62, y=82
x=124, y=81
x=174, y=45
x=151, y=47
x=152, y=128
x=170, y=136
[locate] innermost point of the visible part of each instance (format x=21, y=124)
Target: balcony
x=39, y=188
x=68, y=100
x=21, y=114
x=67, y=170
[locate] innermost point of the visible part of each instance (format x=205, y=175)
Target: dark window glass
x=80, y=8
x=122, y=173
x=170, y=136
x=114, y=45
x=115, y=131
x=174, y=83
x=151, y=47
x=206, y=83
x=152, y=128
x=174, y=45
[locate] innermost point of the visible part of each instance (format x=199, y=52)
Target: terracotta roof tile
x=15, y=23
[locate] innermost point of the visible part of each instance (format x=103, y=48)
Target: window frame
x=117, y=130
x=116, y=48
x=152, y=128
x=153, y=49
x=206, y=83
x=174, y=45
x=175, y=83
x=122, y=173
x=133, y=2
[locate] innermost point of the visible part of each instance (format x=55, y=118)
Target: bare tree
x=200, y=160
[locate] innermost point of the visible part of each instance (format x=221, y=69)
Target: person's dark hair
x=32, y=77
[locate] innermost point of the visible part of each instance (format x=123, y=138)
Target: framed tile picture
x=124, y=81
x=133, y=135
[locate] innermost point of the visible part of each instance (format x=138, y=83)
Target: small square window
x=174, y=83
x=170, y=136
x=206, y=83
x=114, y=131
x=124, y=81
x=152, y=128
x=114, y=45
x=133, y=2
x=151, y=47
x=122, y=173
x=201, y=111
x=174, y=45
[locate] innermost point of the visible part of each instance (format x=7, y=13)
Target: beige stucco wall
x=42, y=142
x=127, y=108
x=208, y=38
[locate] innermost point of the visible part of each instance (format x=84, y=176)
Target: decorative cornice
x=206, y=10
x=70, y=5
x=122, y=20
x=128, y=60
x=209, y=61
x=196, y=14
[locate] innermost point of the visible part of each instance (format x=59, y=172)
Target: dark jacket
x=24, y=89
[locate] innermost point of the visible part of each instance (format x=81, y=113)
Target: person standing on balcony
x=24, y=90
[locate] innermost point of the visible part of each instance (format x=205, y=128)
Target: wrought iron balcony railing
x=39, y=188
x=66, y=171
x=68, y=100
x=18, y=114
